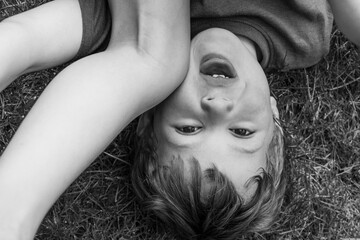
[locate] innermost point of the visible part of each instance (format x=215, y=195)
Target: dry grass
x=320, y=109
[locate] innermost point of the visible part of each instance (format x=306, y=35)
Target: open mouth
x=217, y=67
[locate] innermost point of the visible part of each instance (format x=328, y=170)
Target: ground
x=319, y=108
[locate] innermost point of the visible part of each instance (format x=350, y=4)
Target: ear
x=144, y=122
x=274, y=107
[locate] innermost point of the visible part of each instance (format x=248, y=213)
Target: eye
x=241, y=132
x=187, y=130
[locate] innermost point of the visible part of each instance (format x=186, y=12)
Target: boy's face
x=222, y=113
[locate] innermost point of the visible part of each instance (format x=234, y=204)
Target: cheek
x=169, y=107
x=258, y=98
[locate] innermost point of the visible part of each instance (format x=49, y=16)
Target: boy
x=222, y=115
x=219, y=127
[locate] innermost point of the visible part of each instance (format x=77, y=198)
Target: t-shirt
x=289, y=33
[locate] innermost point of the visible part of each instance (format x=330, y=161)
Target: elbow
x=170, y=52
x=171, y=61
x=178, y=62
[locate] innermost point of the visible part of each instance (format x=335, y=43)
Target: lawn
x=320, y=113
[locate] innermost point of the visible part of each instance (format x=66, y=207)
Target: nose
x=217, y=105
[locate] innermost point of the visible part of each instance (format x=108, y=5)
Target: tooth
x=219, y=76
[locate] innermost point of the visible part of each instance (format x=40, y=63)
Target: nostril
x=212, y=98
x=217, y=104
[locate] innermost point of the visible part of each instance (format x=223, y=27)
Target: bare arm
x=87, y=105
x=347, y=17
x=158, y=30
x=40, y=38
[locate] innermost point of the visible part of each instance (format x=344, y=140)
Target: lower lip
x=213, y=56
